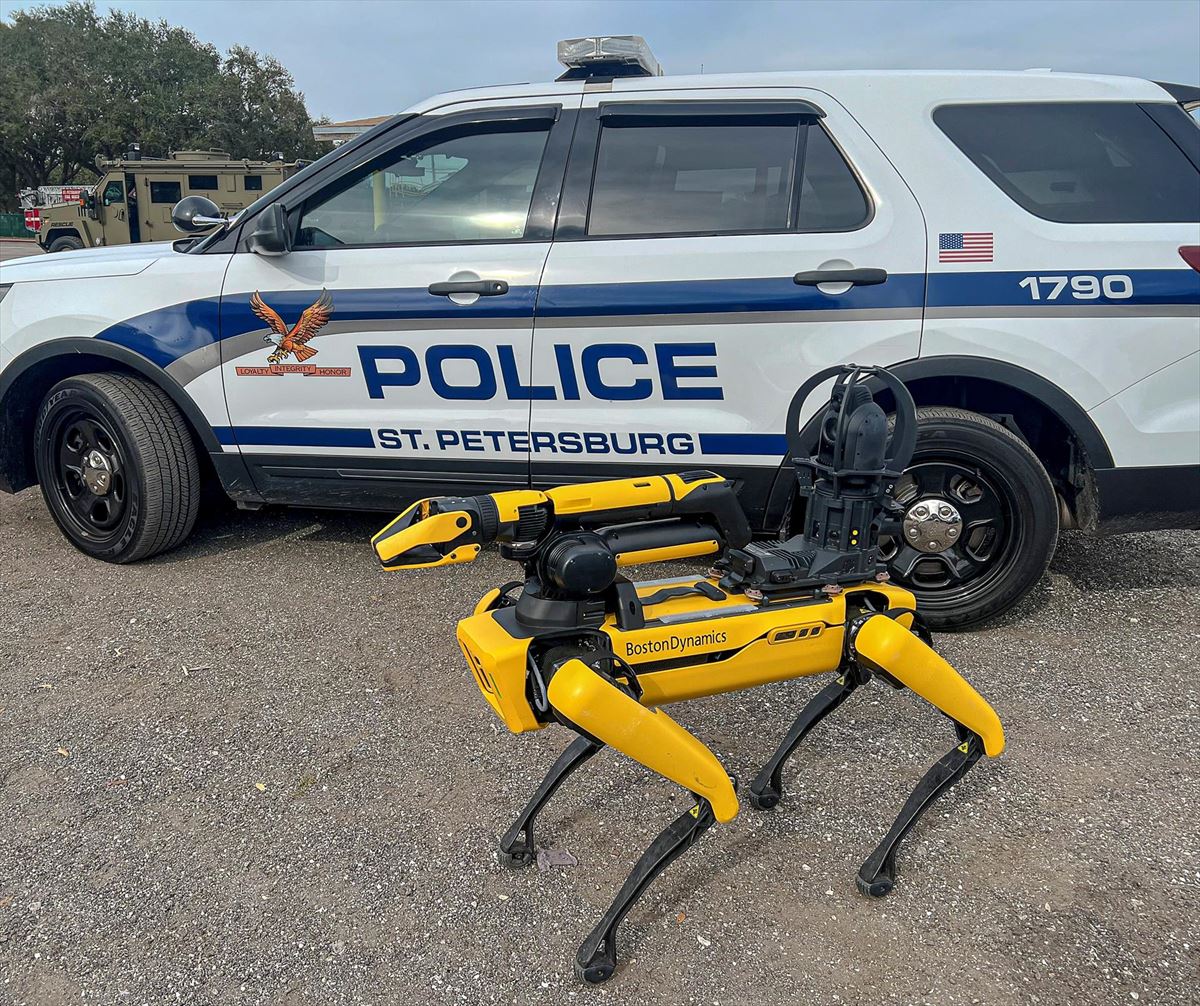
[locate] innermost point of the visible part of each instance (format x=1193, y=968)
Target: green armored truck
x=132, y=201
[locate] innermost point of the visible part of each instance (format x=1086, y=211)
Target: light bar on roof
x=626, y=50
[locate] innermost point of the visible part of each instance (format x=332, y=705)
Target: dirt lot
x=254, y=771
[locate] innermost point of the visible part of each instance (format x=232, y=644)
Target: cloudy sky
x=370, y=57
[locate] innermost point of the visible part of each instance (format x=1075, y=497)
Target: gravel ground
x=255, y=771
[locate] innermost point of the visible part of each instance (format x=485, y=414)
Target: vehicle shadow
x=222, y=529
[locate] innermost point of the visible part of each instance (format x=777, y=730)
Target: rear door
x=387, y=354
x=714, y=249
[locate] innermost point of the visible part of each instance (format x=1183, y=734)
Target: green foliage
x=75, y=84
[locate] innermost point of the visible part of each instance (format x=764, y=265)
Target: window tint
x=114, y=192
x=253, y=183
x=692, y=179
x=830, y=196
x=474, y=187
x=1077, y=162
x=165, y=192
x=204, y=182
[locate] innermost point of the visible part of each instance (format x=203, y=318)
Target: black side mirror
x=271, y=234
x=195, y=213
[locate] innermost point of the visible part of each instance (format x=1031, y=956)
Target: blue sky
x=354, y=58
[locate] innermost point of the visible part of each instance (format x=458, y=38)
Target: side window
x=473, y=186
x=165, y=192
x=253, y=183
x=830, y=196
x=203, y=183
x=114, y=192
x=1097, y=162
x=656, y=179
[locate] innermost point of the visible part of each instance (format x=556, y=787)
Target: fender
x=127, y=358
x=1049, y=394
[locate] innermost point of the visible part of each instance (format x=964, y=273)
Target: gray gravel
x=255, y=771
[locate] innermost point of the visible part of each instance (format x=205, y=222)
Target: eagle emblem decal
x=293, y=341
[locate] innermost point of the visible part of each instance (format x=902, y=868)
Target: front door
x=387, y=354
x=714, y=250
x=115, y=211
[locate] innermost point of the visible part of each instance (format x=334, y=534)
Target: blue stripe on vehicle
x=769, y=444
x=988, y=289
x=294, y=436
x=720, y=295
x=166, y=334
x=749, y=444
x=163, y=336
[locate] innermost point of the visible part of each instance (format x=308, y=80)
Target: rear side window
x=164, y=192
x=693, y=179
x=830, y=196
x=1078, y=162
x=202, y=182
x=658, y=180
x=253, y=183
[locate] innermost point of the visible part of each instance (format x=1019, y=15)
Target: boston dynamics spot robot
x=582, y=646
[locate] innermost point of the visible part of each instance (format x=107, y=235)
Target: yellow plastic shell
x=433, y=530
x=888, y=646
x=616, y=494
x=648, y=736
x=687, y=551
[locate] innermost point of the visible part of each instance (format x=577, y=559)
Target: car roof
x=893, y=87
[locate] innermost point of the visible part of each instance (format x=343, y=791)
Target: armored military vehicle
x=132, y=201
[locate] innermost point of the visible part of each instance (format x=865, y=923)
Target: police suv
x=620, y=272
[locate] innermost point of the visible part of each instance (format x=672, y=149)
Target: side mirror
x=271, y=234
x=195, y=213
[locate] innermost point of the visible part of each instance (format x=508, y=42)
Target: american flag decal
x=965, y=247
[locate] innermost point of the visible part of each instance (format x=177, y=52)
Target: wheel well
x=61, y=232
x=21, y=402
x=1054, y=442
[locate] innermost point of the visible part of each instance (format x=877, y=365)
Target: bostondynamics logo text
x=675, y=644
x=293, y=341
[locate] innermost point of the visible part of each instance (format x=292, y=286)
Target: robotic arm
x=635, y=520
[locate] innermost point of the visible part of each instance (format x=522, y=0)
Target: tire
x=65, y=243
x=117, y=466
x=979, y=491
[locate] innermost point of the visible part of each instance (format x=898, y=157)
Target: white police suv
x=619, y=272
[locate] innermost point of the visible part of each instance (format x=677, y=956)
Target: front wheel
x=117, y=466
x=65, y=243
x=980, y=519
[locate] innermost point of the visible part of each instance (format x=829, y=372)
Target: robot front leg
x=881, y=644
x=593, y=704
x=516, y=845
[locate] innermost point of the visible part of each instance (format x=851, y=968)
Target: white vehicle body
x=611, y=354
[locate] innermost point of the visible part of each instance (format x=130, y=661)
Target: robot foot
x=878, y=874
x=597, y=957
x=516, y=845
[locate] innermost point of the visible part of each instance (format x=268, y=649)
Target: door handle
x=855, y=277
x=483, y=287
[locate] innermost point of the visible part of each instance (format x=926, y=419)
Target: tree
x=75, y=85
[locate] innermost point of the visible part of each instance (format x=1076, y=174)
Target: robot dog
x=583, y=646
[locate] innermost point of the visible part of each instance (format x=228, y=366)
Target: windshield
x=299, y=177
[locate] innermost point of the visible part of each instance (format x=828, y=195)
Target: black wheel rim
x=985, y=545
x=90, y=482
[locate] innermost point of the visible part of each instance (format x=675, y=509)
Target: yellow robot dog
x=584, y=647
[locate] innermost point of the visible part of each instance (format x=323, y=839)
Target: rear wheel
x=117, y=466
x=65, y=243
x=980, y=519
